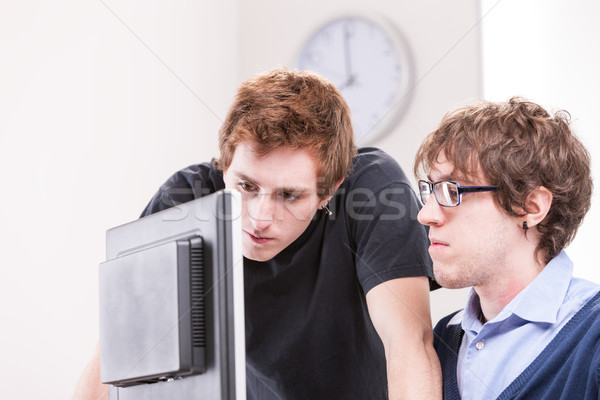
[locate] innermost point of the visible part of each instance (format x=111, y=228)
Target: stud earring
x=525, y=227
x=326, y=209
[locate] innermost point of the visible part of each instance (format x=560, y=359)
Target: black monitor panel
x=171, y=304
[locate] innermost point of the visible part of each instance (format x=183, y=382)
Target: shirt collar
x=539, y=301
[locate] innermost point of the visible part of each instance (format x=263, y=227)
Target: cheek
x=489, y=234
x=295, y=219
x=291, y=229
x=298, y=212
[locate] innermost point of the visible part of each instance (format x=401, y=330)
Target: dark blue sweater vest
x=568, y=368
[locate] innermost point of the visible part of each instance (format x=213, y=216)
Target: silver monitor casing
x=144, y=323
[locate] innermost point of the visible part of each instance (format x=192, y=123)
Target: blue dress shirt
x=492, y=355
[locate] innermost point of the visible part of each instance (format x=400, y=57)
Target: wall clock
x=369, y=62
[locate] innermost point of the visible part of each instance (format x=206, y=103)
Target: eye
x=246, y=187
x=290, y=196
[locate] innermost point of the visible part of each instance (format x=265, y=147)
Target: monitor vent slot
x=197, y=290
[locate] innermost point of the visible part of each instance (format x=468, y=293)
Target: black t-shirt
x=308, y=331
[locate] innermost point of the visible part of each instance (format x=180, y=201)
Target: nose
x=431, y=214
x=260, y=210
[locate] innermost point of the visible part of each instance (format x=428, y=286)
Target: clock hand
x=347, y=54
x=350, y=79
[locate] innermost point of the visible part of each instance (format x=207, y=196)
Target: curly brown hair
x=518, y=146
x=283, y=107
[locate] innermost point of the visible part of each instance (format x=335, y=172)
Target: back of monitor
x=171, y=304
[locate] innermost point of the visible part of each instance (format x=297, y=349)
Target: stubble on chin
x=454, y=277
x=448, y=282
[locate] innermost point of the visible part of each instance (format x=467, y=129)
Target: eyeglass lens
x=446, y=193
x=424, y=191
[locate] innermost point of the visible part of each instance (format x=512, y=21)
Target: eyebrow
x=443, y=178
x=453, y=178
x=287, y=189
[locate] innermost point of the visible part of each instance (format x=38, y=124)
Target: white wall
x=547, y=51
x=99, y=103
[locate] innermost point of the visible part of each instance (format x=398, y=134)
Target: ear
x=537, y=205
x=335, y=187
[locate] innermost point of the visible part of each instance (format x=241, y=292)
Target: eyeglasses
x=449, y=194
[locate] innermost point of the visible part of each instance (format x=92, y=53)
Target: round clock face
x=369, y=64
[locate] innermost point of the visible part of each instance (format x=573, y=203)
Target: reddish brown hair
x=288, y=108
x=518, y=146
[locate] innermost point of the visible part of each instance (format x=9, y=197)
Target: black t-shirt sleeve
x=186, y=185
x=391, y=243
x=382, y=212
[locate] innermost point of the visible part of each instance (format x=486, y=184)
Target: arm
x=89, y=386
x=399, y=309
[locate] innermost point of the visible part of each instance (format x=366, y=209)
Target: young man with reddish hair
x=506, y=186
x=335, y=262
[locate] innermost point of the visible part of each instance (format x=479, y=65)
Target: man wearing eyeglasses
x=505, y=187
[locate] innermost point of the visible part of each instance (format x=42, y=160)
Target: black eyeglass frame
x=459, y=189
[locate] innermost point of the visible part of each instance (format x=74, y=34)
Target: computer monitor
x=172, y=304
